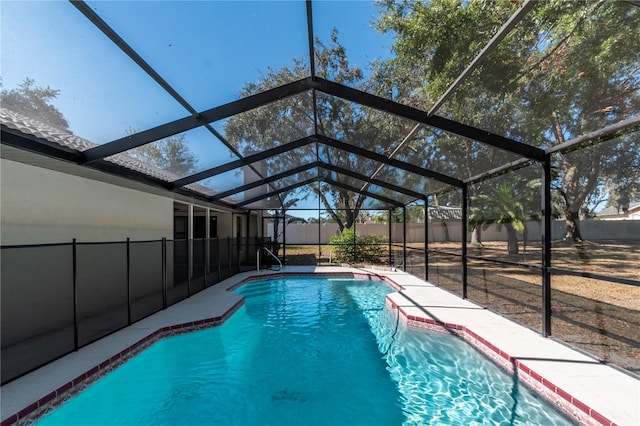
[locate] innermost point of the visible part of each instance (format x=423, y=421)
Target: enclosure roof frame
x=96, y=156
x=263, y=181
x=243, y=161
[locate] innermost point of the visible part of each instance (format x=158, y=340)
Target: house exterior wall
x=41, y=206
x=225, y=224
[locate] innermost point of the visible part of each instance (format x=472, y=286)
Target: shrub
x=367, y=249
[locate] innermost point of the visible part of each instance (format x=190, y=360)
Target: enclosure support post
x=465, y=214
x=390, y=237
x=546, y=246
x=164, y=272
x=319, y=240
x=404, y=238
x=74, y=253
x=426, y=238
x=128, y=281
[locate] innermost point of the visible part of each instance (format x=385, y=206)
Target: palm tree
x=508, y=203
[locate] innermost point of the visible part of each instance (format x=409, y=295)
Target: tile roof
x=66, y=139
x=443, y=213
x=613, y=211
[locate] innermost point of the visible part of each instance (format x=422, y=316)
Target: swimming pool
x=308, y=350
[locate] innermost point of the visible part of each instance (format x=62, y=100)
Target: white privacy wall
x=307, y=233
x=44, y=206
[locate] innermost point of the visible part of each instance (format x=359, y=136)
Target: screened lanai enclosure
x=490, y=148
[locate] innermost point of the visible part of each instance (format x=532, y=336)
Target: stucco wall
x=44, y=206
x=225, y=224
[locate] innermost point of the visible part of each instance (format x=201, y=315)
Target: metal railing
x=270, y=253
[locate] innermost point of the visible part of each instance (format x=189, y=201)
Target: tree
x=415, y=214
x=171, y=154
x=566, y=70
x=626, y=191
x=509, y=201
x=278, y=212
x=293, y=118
x=350, y=247
x=34, y=102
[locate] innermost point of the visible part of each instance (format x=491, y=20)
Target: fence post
x=75, y=295
x=164, y=272
x=404, y=238
x=205, y=260
x=189, y=266
x=390, y=237
x=128, y=282
x=465, y=207
x=207, y=235
x=218, y=254
x=238, y=251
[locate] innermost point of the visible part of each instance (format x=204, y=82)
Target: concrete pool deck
x=600, y=393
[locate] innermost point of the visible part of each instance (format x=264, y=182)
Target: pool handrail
x=272, y=255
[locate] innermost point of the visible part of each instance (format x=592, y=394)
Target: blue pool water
x=308, y=351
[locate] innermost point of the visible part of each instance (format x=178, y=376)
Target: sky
x=206, y=50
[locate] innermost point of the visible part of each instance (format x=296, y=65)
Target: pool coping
x=402, y=300
x=55, y=398
x=566, y=403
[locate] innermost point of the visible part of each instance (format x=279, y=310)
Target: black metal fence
x=57, y=298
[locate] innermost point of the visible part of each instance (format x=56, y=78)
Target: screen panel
x=201, y=41
x=53, y=47
x=433, y=43
x=361, y=126
x=595, y=194
x=277, y=123
x=597, y=316
x=505, y=217
x=565, y=70
x=178, y=156
x=452, y=155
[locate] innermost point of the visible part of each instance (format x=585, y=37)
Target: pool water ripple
x=308, y=351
